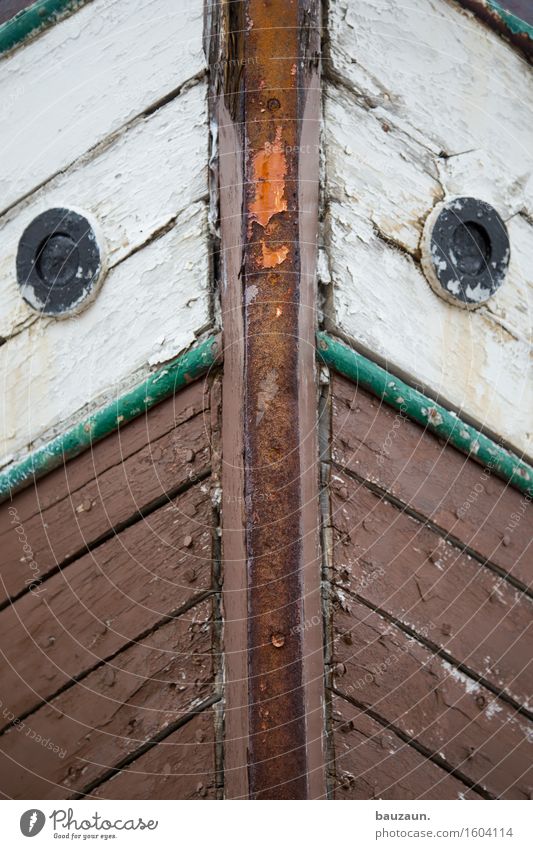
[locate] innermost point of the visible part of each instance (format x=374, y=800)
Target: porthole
x=465, y=251
x=59, y=262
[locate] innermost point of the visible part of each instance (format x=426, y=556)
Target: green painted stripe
x=36, y=17
x=433, y=416
x=158, y=386
x=512, y=22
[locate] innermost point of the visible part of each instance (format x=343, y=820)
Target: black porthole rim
x=458, y=287
x=52, y=299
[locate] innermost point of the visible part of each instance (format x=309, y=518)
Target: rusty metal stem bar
x=272, y=434
x=271, y=106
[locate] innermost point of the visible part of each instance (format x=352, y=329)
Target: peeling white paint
x=441, y=72
x=383, y=301
x=469, y=684
x=448, y=86
x=132, y=188
x=51, y=371
x=86, y=77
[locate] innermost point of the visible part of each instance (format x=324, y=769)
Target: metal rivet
x=465, y=251
x=278, y=640
x=59, y=262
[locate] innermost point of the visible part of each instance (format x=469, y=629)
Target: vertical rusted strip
x=278, y=766
x=270, y=73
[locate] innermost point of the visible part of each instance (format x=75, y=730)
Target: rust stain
x=274, y=256
x=269, y=170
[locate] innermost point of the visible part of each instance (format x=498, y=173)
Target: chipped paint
x=269, y=170
x=274, y=256
x=398, y=140
x=115, y=337
x=94, y=48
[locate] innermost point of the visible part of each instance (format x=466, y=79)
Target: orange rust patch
x=269, y=170
x=275, y=256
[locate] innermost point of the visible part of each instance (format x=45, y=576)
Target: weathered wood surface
x=442, y=116
x=372, y=762
x=395, y=454
x=407, y=570
x=181, y=767
x=447, y=80
x=54, y=369
x=455, y=719
x=9, y=8
x=96, y=724
x=111, y=184
x=105, y=599
x=90, y=496
x=134, y=436
x=87, y=77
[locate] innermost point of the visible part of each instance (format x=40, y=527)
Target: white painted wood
x=433, y=67
x=383, y=301
x=85, y=78
x=134, y=185
x=389, y=178
x=149, y=309
x=409, y=82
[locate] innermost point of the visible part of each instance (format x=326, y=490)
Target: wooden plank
x=106, y=598
x=371, y=163
x=429, y=125
x=129, y=483
x=383, y=302
x=391, y=452
x=121, y=65
x=181, y=767
x=407, y=570
x=130, y=327
x=102, y=720
x=9, y=8
x=438, y=92
x=111, y=185
x=371, y=762
x=134, y=436
x=449, y=714
x=364, y=167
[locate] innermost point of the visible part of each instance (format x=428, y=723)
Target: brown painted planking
x=101, y=720
x=105, y=599
x=449, y=714
x=114, y=496
x=373, y=763
x=405, y=568
x=396, y=454
x=180, y=767
x=9, y=8
x=112, y=449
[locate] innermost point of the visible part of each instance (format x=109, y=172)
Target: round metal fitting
x=59, y=262
x=465, y=251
